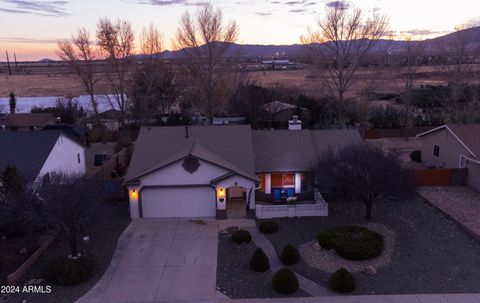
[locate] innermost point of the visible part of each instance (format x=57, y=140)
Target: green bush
x=290, y=255
x=66, y=271
x=259, y=261
x=352, y=242
x=342, y=281
x=285, y=281
x=241, y=236
x=416, y=156
x=268, y=227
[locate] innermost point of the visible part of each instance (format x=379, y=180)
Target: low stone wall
x=319, y=209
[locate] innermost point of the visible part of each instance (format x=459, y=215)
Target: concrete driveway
x=161, y=260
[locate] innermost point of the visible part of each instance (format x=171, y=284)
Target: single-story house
x=110, y=119
x=224, y=171
x=26, y=122
x=38, y=154
x=454, y=146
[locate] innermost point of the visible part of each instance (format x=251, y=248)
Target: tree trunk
x=368, y=210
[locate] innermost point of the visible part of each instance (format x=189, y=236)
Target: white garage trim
x=177, y=201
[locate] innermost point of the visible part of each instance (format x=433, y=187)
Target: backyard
x=112, y=217
x=429, y=253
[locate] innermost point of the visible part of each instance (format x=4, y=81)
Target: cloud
x=40, y=8
x=421, y=32
x=342, y=5
x=171, y=2
x=263, y=14
x=28, y=40
x=298, y=10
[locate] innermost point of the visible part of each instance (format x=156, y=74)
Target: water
x=25, y=104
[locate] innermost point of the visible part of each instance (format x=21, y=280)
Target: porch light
x=221, y=193
x=133, y=194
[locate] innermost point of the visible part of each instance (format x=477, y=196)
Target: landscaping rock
x=370, y=270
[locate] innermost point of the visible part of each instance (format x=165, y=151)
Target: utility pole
x=8, y=64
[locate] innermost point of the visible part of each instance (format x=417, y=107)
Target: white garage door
x=178, y=202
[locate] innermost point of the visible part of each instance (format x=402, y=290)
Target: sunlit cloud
x=41, y=8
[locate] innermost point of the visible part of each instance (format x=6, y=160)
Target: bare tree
x=341, y=43
x=364, y=173
x=204, y=40
x=117, y=43
x=412, y=57
x=80, y=54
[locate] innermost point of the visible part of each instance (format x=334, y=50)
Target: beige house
x=454, y=146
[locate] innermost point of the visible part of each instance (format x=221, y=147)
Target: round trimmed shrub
x=352, y=242
x=416, y=156
x=268, y=227
x=285, y=281
x=342, y=281
x=259, y=261
x=290, y=255
x=241, y=236
x=66, y=271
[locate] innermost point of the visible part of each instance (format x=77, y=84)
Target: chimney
x=295, y=124
x=186, y=132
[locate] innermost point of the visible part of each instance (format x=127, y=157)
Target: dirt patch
x=328, y=261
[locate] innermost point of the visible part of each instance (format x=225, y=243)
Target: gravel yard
x=460, y=202
x=431, y=253
x=234, y=277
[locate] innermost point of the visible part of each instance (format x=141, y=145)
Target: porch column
x=134, y=198
x=268, y=183
x=298, y=183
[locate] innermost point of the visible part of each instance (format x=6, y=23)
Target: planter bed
x=236, y=280
x=431, y=253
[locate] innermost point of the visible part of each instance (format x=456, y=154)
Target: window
x=283, y=180
x=276, y=180
x=436, y=151
x=78, y=158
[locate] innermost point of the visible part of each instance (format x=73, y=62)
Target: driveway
x=161, y=260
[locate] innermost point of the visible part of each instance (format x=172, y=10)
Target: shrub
x=416, y=156
x=352, y=242
x=285, y=282
x=241, y=236
x=259, y=261
x=66, y=271
x=268, y=227
x=342, y=281
x=290, y=255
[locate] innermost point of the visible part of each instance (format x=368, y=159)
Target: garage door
x=178, y=202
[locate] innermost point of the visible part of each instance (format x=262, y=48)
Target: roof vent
x=186, y=132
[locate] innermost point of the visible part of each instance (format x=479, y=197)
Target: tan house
x=454, y=146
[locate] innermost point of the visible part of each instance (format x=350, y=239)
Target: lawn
x=234, y=277
x=111, y=219
x=431, y=253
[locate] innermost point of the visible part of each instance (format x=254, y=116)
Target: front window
x=436, y=151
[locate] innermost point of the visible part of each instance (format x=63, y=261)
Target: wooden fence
x=441, y=177
x=114, y=168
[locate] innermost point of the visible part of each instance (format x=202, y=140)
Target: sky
x=31, y=28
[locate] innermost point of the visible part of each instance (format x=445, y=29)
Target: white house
x=224, y=171
x=38, y=154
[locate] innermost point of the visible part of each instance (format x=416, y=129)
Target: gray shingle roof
x=27, y=151
x=469, y=134
x=229, y=146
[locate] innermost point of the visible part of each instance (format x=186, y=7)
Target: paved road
x=161, y=260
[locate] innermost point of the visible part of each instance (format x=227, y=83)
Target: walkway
x=161, y=260
x=307, y=285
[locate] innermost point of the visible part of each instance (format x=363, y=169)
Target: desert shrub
x=285, y=281
x=342, y=281
x=352, y=242
x=259, y=261
x=66, y=271
x=241, y=236
x=416, y=156
x=268, y=227
x=290, y=255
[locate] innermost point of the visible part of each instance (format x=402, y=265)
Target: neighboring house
x=110, y=119
x=38, y=154
x=223, y=171
x=280, y=112
x=454, y=146
x=26, y=122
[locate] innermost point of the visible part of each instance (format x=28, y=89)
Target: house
x=26, y=122
x=38, y=154
x=277, y=112
x=110, y=119
x=224, y=171
x=454, y=146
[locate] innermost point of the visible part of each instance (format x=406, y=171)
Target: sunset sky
x=31, y=28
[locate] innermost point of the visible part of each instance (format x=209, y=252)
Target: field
x=55, y=81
